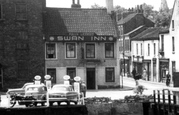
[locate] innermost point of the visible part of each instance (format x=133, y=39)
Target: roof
x=127, y=18
x=61, y=21
x=151, y=33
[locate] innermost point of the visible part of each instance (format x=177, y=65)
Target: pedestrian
x=83, y=88
x=144, y=76
x=134, y=76
x=168, y=79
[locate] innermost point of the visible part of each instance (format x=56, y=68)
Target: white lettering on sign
x=83, y=38
x=76, y=38
x=98, y=38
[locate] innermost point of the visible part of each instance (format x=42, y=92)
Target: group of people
x=144, y=76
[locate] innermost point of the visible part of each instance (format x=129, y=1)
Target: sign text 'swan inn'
x=76, y=38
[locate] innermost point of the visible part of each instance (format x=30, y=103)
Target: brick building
x=21, y=41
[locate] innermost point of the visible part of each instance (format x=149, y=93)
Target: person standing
x=144, y=76
x=134, y=76
x=168, y=79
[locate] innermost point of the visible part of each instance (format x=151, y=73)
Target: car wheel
x=43, y=104
x=76, y=103
x=35, y=104
x=27, y=105
x=51, y=103
x=68, y=102
x=58, y=103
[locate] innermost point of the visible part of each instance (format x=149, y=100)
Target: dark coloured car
x=38, y=94
x=20, y=91
x=62, y=93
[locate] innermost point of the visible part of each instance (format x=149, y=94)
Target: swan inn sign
x=77, y=38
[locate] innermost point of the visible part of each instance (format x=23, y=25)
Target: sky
x=124, y=3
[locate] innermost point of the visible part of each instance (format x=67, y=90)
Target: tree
x=96, y=6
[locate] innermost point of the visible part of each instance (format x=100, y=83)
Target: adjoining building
x=21, y=41
x=129, y=23
x=145, y=54
x=82, y=42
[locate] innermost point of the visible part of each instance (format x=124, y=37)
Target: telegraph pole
x=123, y=37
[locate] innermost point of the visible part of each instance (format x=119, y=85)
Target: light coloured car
x=62, y=93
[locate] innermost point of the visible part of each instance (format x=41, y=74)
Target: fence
x=54, y=110
x=165, y=103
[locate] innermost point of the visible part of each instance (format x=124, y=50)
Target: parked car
x=20, y=91
x=38, y=92
x=62, y=93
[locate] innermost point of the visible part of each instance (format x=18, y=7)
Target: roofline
x=172, y=12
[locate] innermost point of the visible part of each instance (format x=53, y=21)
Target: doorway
x=90, y=75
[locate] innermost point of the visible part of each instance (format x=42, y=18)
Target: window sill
x=49, y=59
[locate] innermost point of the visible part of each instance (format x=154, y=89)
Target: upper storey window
x=21, y=11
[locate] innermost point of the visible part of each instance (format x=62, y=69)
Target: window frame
x=21, y=12
x=148, y=49
x=1, y=11
x=173, y=44
x=112, y=79
x=75, y=51
x=46, y=51
x=72, y=68
x=112, y=50
x=94, y=50
x=53, y=78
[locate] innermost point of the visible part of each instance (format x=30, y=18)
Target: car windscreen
x=60, y=88
x=32, y=89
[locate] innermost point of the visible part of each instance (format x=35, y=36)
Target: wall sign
x=80, y=38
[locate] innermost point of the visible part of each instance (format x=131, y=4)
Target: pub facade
x=81, y=42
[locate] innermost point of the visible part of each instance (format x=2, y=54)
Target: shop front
x=138, y=63
x=163, y=67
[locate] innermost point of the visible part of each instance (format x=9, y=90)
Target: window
x=109, y=50
x=52, y=73
x=154, y=49
x=1, y=12
x=21, y=11
x=70, y=50
x=71, y=72
x=90, y=50
x=173, y=44
x=162, y=42
x=173, y=25
x=22, y=69
x=137, y=49
x=23, y=35
x=50, y=50
x=148, y=49
x=141, y=49
x=110, y=74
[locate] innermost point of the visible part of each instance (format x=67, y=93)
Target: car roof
x=34, y=85
x=65, y=85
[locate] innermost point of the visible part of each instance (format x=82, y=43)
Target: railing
x=164, y=103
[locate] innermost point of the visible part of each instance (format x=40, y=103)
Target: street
x=114, y=94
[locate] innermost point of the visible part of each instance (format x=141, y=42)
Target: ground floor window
x=110, y=74
x=52, y=73
x=71, y=72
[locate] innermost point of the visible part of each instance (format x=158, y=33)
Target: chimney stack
x=109, y=6
x=74, y=5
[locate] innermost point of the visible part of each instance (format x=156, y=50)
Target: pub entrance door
x=90, y=75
